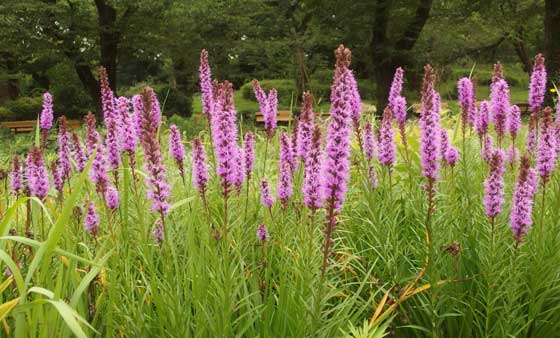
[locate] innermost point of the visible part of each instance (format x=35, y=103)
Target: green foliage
x=23, y=108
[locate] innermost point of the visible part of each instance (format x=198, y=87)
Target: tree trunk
x=552, y=44
x=386, y=56
x=109, y=39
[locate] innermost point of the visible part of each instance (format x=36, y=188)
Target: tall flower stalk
x=224, y=140
x=177, y=150
x=430, y=130
x=386, y=145
x=313, y=184
x=268, y=104
x=92, y=136
x=200, y=174
x=36, y=173
x=305, y=127
x=494, y=186
x=337, y=152
x=46, y=118
x=16, y=177
x=521, y=218
x=159, y=190
x=248, y=154
x=499, y=101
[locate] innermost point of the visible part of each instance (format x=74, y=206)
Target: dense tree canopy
x=58, y=45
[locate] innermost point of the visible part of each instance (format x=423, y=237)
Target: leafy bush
x=23, y=108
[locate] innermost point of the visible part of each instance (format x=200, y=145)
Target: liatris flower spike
x=466, y=97
x=494, y=184
x=499, y=99
x=268, y=105
x=36, y=173
x=336, y=168
x=537, y=87
x=205, y=77
x=199, y=166
x=387, y=148
x=305, y=126
x=98, y=172
x=546, y=150
x=266, y=197
x=520, y=218
x=16, y=177
x=313, y=184
x=284, y=190
x=514, y=124
x=158, y=190
x=78, y=151
x=58, y=181
x=92, y=136
x=158, y=233
x=224, y=137
x=64, y=148
x=369, y=142
x=46, y=117
x=262, y=233
x=482, y=119
x=112, y=198
x=176, y=148
x=248, y=154
x=91, y=221
x=396, y=88
x=430, y=129
x=107, y=97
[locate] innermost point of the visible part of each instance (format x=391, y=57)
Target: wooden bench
x=283, y=116
x=28, y=126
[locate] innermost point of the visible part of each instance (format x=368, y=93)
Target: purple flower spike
x=400, y=111
x=537, y=87
x=176, y=147
x=546, y=150
x=355, y=99
x=305, y=127
x=499, y=99
x=262, y=233
x=112, y=198
x=512, y=155
x=158, y=190
x=494, y=184
x=266, y=197
x=91, y=221
x=92, y=136
x=286, y=152
x=107, y=97
x=430, y=129
x=396, y=88
x=487, y=148
x=483, y=118
x=452, y=156
x=224, y=136
x=78, y=152
x=520, y=218
x=466, y=100
x=268, y=105
x=514, y=121
x=58, y=181
x=369, y=141
x=284, y=190
x=205, y=77
x=36, y=173
x=47, y=115
x=98, y=172
x=387, y=148
x=337, y=151
x=16, y=177
x=199, y=166
x=313, y=184
x=64, y=148
x=158, y=233
x=248, y=154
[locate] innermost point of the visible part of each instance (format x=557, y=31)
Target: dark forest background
x=58, y=45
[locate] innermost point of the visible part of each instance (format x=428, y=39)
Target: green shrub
x=24, y=108
x=320, y=88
